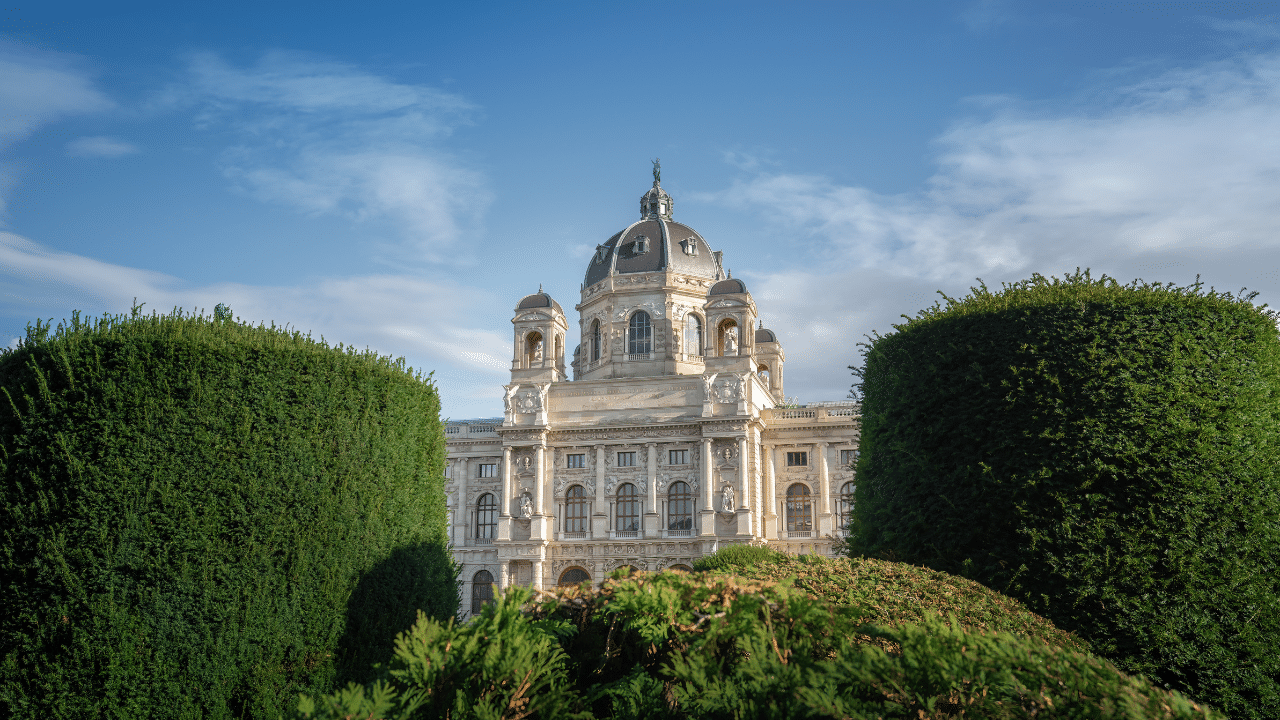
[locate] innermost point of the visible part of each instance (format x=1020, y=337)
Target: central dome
x=654, y=243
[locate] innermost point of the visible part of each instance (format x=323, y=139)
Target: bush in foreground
x=891, y=594
x=701, y=646
x=1108, y=454
x=201, y=518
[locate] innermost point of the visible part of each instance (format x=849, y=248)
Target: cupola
x=656, y=204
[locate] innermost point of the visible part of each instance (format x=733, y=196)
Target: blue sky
x=398, y=177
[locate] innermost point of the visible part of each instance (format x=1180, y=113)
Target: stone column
x=517, y=357
x=824, y=485
x=600, y=516
x=504, y=505
x=770, y=494
x=504, y=574
x=744, y=488
x=708, y=490
x=537, y=574
x=464, y=508
x=538, y=525
x=651, y=517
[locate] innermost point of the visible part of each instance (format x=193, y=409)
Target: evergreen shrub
x=201, y=518
x=892, y=594
x=1106, y=453
x=712, y=647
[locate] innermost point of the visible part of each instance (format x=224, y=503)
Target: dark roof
x=765, y=335
x=538, y=300
x=665, y=252
x=728, y=287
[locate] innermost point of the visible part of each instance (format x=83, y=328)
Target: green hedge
x=667, y=646
x=201, y=518
x=1108, y=454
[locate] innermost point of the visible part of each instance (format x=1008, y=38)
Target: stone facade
x=668, y=443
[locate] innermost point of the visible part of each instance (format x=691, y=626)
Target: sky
x=397, y=177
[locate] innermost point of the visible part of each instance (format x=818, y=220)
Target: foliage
x=201, y=518
x=1107, y=454
x=892, y=594
x=703, y=646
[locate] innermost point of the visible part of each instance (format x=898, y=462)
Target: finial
x=539, y=288
x=761, y=326
x=657, y=171
x=730, y=274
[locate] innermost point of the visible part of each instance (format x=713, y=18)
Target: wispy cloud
x=38, y=87
x=100, y=147
x=393, y=314
x=331, y=139
x=1172, y=175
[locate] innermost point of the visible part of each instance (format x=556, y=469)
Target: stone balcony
x=828, y=412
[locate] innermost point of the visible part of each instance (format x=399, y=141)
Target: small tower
x=769, y=359
x=656, y=204
x=731, y=315
x=538, y=357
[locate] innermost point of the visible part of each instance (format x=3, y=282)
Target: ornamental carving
x=623, y=312
x=528, y=317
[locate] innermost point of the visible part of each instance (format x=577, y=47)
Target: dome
x=654, y=243
x=538, y=300
x=728, y=287
x=764, y=335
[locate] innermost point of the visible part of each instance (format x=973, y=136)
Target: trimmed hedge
x=201, y=518
x=672, y=645
x=1108, y=454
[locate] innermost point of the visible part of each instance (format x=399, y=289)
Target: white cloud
x=38, y=87
x=1167, y=177
x=330, y=139
x=427, y=322
x=99, y=146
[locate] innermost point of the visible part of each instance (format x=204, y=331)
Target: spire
x=539, y=287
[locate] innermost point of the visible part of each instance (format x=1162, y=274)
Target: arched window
x=533, y=350
x=595, y=340
x=628, y=508
x=692, y=334
x=574, y=576
x=680, y=507
x=640, y=334
x=762, y=371
x=481, y=590
x=846, y=504
x=486, y=517
x=575, y=510
x=799, y=509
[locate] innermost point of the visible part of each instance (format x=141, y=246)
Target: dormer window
x=641, y=245
x=690, y=246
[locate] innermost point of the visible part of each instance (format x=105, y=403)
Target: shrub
x=892, y=594
x=700, y=646
x=1107, y=454
x=200, y=518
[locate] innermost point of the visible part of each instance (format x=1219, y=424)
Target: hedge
x=202, y=518
x=1106, y=453
x=670, y=645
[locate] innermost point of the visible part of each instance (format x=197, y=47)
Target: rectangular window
x=488, y=470
x=577, y=460
x=626, y=459
x=678, y=457
x=848, y=457
x=797, y=458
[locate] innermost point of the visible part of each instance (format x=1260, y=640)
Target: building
x=670, y=441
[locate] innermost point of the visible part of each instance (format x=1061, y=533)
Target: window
x=799, y=509
x=848, y=457
x=575, y=510
x=481, y=590
x=680, y=507
x=678, y=457
x=846, y=504
x=692, y=334
x=574, y=576
x=641, y=245
x=628, y=508
x=488, y=470
x=486, y=516
x=626, y=459
x=640, y=334
x=576, y=460
x=797, y=458
x=595, y=340
x=690, y=246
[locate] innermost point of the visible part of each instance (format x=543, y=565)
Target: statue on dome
x=657, y=170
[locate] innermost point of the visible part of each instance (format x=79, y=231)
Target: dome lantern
x=656, y=204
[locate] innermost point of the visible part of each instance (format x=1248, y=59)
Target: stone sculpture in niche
x=726, y=499
x=731, y=342
x=526, y=506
